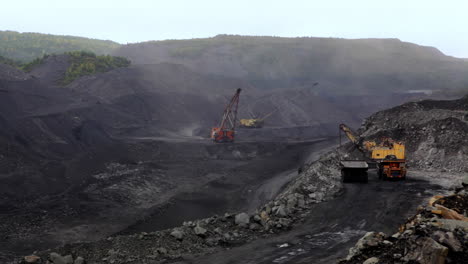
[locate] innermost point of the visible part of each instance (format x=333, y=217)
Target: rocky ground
x=437, y=233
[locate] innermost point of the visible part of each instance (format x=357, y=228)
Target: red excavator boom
x=225, y=131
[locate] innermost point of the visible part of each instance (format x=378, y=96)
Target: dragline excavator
x=226, y=129
x=389, y=156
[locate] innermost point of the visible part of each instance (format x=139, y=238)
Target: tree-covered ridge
x=87, y=63
x=25, y=47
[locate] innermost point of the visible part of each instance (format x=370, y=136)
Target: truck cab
x=391, y=168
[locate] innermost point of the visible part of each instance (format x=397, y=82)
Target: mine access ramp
x=354, y=170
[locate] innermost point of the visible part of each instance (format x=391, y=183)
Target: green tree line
x=87, y=63
x=81, y=63
x=26, y=47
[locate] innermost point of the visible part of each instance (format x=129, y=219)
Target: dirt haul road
x=334, y=226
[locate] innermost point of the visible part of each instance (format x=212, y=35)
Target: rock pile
x=437, y=234
x=321, y=181
x=434, y=132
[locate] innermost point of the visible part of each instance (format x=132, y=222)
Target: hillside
x=339, y=65
x=125, y=149
x=25, y=47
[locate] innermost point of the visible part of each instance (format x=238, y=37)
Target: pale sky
x=439, y=23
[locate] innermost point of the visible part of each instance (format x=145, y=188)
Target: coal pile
x=437, y=233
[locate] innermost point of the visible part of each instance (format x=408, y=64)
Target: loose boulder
x=242, y=219
x=428, y=251
x=199, y=231
x=32, y=259
x=58, y=259
x=372, y=260
x=178, y=234
x=79, y=260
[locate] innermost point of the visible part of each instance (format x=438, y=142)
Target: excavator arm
x=349, y=134
x=366, y=146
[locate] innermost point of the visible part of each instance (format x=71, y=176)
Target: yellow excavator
x=388, y=154
x=255, y=122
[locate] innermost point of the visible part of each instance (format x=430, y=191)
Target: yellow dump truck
x=389, y=155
